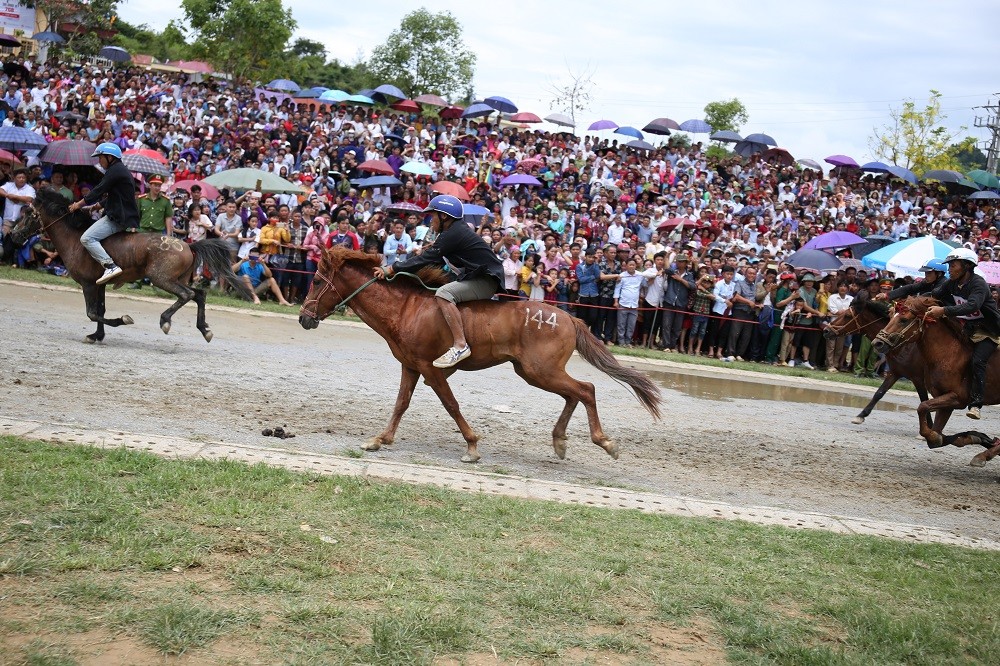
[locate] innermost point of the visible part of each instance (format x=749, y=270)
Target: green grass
x=186, y=556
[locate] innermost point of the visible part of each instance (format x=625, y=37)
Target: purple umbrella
x=661, y=126
x=696, y=126
x=602, y=125
x=501, y=104
x=69, y=153
x=521, y=179
x=834, y=239
x=389, y=90
x=477, y=110
x=842, y=161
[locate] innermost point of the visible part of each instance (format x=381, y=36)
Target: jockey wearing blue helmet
x=121, y=210
x=480, y=272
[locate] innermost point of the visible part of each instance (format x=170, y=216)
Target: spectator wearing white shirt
x=397, y=246
x=835, y=305
x=627, y=301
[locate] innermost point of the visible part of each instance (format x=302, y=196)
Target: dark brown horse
x=536, y=338
x=947, y=356
x=167, y=262
x=868, y=317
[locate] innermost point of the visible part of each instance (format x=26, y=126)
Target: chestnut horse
x=868, y=317
x=536, y=338
x=947, y=356
x=167, y=262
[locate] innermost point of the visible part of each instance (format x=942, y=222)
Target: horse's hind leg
x=559, y=431
x=437, y=381
x=183, y=294
x=407, y=382
x=202, y=325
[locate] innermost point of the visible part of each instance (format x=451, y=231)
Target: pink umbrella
x=531, y=163
x=209, y=191
x=525, y=117
x=430, y=100
x=990, y=270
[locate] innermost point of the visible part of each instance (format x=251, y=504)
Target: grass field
x=110, y=556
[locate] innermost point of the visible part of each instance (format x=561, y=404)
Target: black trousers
x=587, y=313
x=740, y=332
x=673, y=324
x=607, y=319
x=981, y=353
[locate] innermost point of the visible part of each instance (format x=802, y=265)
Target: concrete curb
x=484, y=482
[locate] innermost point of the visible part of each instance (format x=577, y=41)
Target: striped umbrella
x=18, y=138
x=907, y=256
x=405, y=206
x=146, y=152
x=69, y=153
x=144, y=165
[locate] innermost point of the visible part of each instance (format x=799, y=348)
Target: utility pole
x=992, y=123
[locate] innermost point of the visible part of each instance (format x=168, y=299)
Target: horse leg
x=93, y=295
x=407, y=382
x=559, y=431
x=922, y=394
x=439, y=383
x=202, y=325
x=183, y=294
x=887, y=383
x=992, y=451
x=943, y=406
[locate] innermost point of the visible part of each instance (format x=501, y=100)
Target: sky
x=817, y=76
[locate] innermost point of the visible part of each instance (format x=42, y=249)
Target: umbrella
x=18, y=138
x=847, y=262
x=448, y=187
x=746, y=148
x=602, y=125
x=377, y=166
x=875, y=167
x=9, y=40
x=903, y=174
x=69, y=153
x=207, y=189
x=146, y=152
x=334, y=95
x=629, y=131
x=48, y=36
x=360, y=99
x=390, y=90
x=990, y=270
x=872, y=243
x=964, y=182
x=451, y=113
x=671, y=224
x=142, y=164
x=984, y=195
x=842, y=161
x=907, y=256
x=639, y=145
x=70, y=117
x=984, y=178
x=478, y=110
x=560, y=119
x=834, y=239
x=726, y=136
x=661, y=126
x=501, y=104
x=417, y=169
x=284, y=85
x=404, y=206
x=816, y=260
x=525, y=117
x=309, y=94
x=114, y=54
x=943, y=176
x=473, y=209
x=531, y=163
x=761, y=138
x=810, y=164
x=406, y=105
x=7, y=156
x=247, y=179
x=521, y=179
x=378, y=181
x=430, y=100
x=696, y=126
x=781, y=155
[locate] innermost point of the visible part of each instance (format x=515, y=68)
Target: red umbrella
x=430, y=100
x=781, y=155
x=377, y=166
x=7, y=156
x=525, y=117
x=531, y=163
x=406, y=105
x=448, y=187
x=671, y=224
x=209, y=191
x=451, y=113
x=146, y=152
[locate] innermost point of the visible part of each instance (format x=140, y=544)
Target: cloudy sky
x=817, y=76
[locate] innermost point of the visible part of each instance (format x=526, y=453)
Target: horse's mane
x=55, y=206
x=866, y=302
x=918, y=306
x=335, y=258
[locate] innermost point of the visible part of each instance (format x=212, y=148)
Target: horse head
x=905, y=326
x=26, y=227
x=323, y=297
x=859, y=316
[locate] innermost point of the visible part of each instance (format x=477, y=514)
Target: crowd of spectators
x=664, y=248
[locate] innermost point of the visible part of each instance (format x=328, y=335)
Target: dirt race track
x=772, y=445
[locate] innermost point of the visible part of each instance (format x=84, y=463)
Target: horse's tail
x=597, y=355
x=215, y=253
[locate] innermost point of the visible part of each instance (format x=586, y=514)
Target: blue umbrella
x=18, y=138
x=907, y=256
x=360, y=99
x=696, y=126
x=903, y=174
x=747, y=148
x=284, y=85
x=501, y=104
x=308, y=94
x=367, y=92
x=629, y=131
x=726, y=135
x=639, y=145
x=334, y=96
x=390, y=90
x=114, y=54
x=985, y=194
x=872, y=244
x=817, y=260
x=477, y=110
x=875, y=167
x=48, y=36
x=377, y=181
x=761, y=138
x=473, y=209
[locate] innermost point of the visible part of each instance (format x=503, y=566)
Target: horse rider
x=973, y=303
x=479, y=274
x=121, y=210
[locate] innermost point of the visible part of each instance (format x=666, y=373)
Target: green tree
x=726, y=114
x=917, y=138
x=426, y=55
x=167, y=45
x=967, y=155
x=243, y=38
x=91, y=16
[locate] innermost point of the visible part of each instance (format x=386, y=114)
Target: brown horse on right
x=535, y=337
x=947, y=356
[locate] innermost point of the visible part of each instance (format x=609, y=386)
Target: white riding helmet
x=963, y=253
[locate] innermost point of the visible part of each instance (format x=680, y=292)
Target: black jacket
x=463, y=248
x=120, y=205
x=973, y=303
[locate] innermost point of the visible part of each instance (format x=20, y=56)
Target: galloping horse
x=947, y=356
x=868, y=317
x=536, y=338
x=167, y=262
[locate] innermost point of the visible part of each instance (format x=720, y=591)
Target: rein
x=342, y=306
x=901, y=335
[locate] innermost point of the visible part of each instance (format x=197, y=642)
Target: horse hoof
x=127, y=320
x=371, y=445
x=165, y=327
x=559, y=444
x=858, y=420
x=89, y=340
x=977, y=462
x=208, y=336
x=612, y=449
x=469, y=458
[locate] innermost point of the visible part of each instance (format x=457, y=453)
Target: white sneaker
x=729, y=359
x=807, y=365
x=452, y=357
x=110, y=273
x=973, y=413
x=791, y=363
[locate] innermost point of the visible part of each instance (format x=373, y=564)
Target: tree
x=167, y=45
x=240, y=37
x=726, y=114
x=426, y=55
x=967, y=155
x=917, y=138
x=91, y=16
x=574, y=95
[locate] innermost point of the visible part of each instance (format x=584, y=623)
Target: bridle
x=328, y=285
x=853, y=320
x=893, y=340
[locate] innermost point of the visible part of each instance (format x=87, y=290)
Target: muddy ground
x=740, y=439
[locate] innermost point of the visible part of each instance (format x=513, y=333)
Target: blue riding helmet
x=934, y=265
x=108, y=148
x=446, y=205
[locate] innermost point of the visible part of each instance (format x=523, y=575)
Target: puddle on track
x=728, y=389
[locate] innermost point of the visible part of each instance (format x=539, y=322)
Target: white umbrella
x=417, y=169
x=907, y=256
